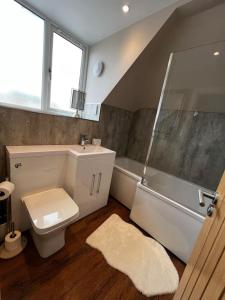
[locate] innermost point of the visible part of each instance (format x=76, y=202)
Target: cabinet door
x=92, y=183
x=85, y=182
x=104, y=171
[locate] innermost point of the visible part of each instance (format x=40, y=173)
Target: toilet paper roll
x=12, y=244
x=6, y=189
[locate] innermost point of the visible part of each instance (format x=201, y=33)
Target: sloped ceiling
x=141, y=86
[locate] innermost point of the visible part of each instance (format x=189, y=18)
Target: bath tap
x=212, y=195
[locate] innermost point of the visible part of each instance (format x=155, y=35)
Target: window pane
x=66, y=65
x=21, y=55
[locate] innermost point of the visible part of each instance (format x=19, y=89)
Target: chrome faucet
x=83, y=139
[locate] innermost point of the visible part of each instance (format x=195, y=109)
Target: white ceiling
x=93, y=20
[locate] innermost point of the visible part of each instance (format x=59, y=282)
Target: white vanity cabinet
x=84, y=172
x=92, y=182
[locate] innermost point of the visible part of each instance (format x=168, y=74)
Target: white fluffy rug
x=143, y=259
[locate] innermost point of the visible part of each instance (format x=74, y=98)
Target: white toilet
x=50, y=213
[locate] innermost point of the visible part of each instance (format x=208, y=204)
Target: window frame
x=83, y=69
x=49, y=29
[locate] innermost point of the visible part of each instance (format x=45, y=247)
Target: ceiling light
x=125, y=8
x=216, y=53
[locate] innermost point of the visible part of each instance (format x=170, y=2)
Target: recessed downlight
x=126, y=8
x=216, y=53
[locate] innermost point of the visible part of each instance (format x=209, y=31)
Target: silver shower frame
x=143, y=180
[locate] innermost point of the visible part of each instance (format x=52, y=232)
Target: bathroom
x=150, y=80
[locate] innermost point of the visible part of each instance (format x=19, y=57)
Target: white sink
x=89, y=149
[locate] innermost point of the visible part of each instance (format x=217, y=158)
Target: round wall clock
x=98, y=68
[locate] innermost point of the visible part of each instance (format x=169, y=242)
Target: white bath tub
x=167, y=208
x=126, y=174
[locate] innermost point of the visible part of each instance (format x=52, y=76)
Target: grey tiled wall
x=187, y=146
x=19, y=127
x=191, y=146
x=140, y=134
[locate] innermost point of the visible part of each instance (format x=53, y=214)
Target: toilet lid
x=50, y=209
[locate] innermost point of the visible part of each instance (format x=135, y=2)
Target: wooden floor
x=77, y=272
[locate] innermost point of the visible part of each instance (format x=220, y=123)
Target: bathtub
x=126, y=174
x=167, y=208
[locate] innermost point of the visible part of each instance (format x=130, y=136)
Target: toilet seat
x=50, y=210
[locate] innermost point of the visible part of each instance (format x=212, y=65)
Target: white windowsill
x=53, y=112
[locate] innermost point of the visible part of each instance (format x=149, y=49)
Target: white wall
x=204, y=76
x=119, y=52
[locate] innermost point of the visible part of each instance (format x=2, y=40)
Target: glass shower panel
x=188, y=139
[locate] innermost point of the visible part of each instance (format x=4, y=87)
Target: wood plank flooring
x=77, y=272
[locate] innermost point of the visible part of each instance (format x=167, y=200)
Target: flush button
x=17, y=165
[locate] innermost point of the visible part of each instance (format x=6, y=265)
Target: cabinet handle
x=99, y=182
x=92, y=184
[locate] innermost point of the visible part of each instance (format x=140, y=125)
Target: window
x=39, y=65
x=21, y=55
x=66, y=67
